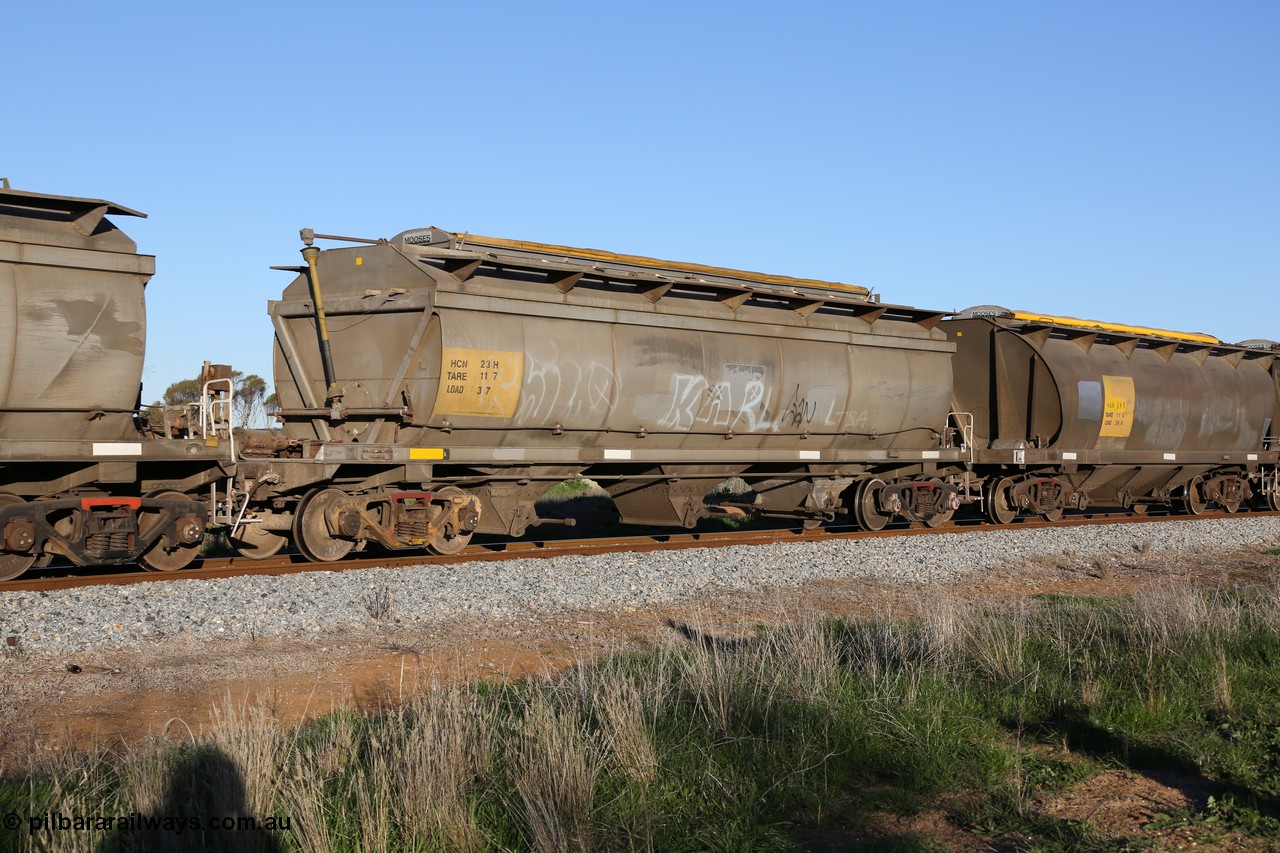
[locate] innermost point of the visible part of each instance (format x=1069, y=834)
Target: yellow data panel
x=479, y=382
x=1118, y=403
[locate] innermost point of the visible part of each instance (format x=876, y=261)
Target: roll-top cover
x=67, y=221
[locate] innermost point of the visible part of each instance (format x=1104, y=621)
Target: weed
x=1049, y=773
x=379, y=604
x=570, y=489
x=1227, y=812
x=1101, y=568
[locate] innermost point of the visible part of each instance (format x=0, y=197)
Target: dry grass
x=999, y=648
x=435, y=750
x=629, y=727
x=556, y=768
x=532, y=766
x=255, y=748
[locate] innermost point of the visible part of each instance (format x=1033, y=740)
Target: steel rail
x=218, y=568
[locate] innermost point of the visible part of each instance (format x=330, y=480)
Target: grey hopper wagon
x=1070, y=412
x=79, y=478
x=436, y=384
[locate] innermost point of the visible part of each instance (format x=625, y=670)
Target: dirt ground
x=58, y=702
x=1121, y=804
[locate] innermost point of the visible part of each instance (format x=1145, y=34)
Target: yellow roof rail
x=1118, y=328
x=464, y=240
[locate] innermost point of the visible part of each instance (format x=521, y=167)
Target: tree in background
x=251, y=405
x=181, y=392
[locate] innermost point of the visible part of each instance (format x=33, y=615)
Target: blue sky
x=1117, y=161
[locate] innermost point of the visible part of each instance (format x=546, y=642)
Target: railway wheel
x=164, y=555
x=941, y=517
x=1000, y=506
x=865, y=512
x=14, y=564
x=1230, y=506
x=311, y=532
x=451, y=537
x=1193, y=502
x=1054, y=514
x=1273, y=501
x=256, y=543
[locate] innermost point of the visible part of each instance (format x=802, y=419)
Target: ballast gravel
x=322, y=602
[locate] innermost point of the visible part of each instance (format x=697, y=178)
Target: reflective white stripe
x=509, y=453
x=810, y=454
x=1068, y=455
x=930, y=454
x=1169, y=457
x=127, y=448
x=617, y=454
x=1252, y=457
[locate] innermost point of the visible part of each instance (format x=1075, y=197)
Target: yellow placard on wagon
x=1118, y=402
x=479, y=382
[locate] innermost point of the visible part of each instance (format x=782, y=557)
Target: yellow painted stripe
x=1120, y=328
x=653, y=263
x=426, y=453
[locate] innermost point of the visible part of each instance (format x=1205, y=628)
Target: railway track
x=217, y=568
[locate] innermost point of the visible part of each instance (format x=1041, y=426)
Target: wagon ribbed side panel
x=72, y=319
x=471, y=349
